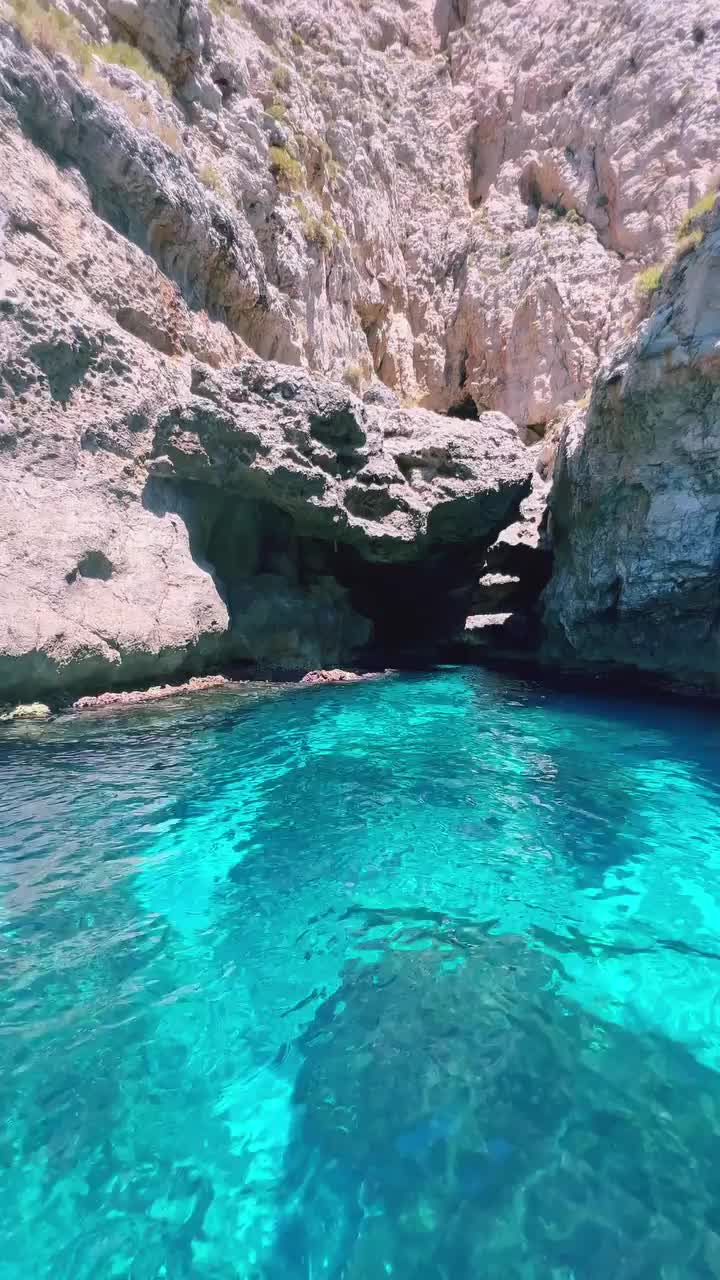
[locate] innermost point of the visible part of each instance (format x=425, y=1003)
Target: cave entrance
x=300, y=601
x=465, y=408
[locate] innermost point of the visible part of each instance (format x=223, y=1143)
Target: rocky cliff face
x=437, y=205
x=161, y=514
x=635, y=506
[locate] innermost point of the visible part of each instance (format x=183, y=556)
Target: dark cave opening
x=296, y=600
x=415, y=607
x=465, y=408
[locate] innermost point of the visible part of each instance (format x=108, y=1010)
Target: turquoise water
x=417, y=978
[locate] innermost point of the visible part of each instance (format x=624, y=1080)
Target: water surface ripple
x=417, y=978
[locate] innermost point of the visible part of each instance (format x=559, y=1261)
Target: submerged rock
x=456, y=1116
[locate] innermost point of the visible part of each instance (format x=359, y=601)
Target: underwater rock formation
x=452, y=1086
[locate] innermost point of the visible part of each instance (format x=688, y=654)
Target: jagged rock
x=513, y=634
x=335, y=676
x=387, y=482
x=490, y=180
x=139, y=182
x=635, y=504
x=495, y=589
x=441, y=205
x=503, y=613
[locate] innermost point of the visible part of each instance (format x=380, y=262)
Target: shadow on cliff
x=344, y=607
x=286, y=606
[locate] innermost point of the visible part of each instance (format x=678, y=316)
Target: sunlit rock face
x=170, y=503
x=434, y=207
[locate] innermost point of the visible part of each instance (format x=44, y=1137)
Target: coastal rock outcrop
x=635, y=504
x=171, y=504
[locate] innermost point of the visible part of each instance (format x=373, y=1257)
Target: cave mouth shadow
x=415, y=607
x=465, y=409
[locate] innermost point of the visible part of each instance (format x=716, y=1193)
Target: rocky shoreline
x=122, y=698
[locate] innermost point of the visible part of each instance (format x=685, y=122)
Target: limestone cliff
x=251, y=252
x=635, y=505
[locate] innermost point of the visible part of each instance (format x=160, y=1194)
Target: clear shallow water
x=417, y=979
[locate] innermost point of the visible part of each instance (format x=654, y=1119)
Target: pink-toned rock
x=128, y=697
x=335, y=675
x=476, y=185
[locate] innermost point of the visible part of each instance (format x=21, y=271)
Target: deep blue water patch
x=418, y=978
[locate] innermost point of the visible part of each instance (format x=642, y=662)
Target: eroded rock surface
x=156, y=693
x=405, y=209
x=635, y=506
x=453, y=197
x=164, y=513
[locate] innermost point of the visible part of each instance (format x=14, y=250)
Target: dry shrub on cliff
x=281, y=77
x=353, y=377
x=323, y=231
x=224, y=8
x=212, y=178
x=140, y=113
x=122, y=54
x=311, y=226
x=52, y=31
x=285, y=167
x=56, y=32
x=648, y=281
x=686, y=245
x=330, y=167
x=698, y=210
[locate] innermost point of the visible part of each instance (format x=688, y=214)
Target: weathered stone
x=635, y=505
x=124, y=698
x=26, y=711
x=336, y=675
x=438, y=205
x=490, y=182
x=160, y=516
